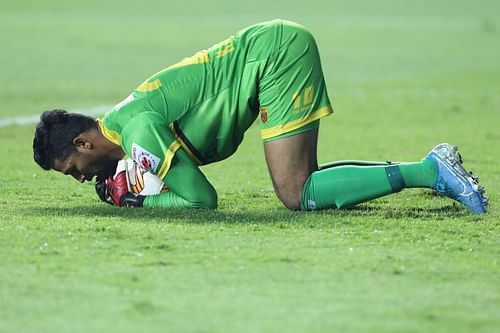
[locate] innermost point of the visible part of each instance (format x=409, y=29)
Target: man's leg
x=298, y=183
x=345, y=185
x=291, y=161
x=293, y=96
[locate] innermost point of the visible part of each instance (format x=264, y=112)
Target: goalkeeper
x=195, y=112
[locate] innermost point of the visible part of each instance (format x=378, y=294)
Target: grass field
x=402, y=77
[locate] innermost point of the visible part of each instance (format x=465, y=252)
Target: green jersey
x=206, y=101
x=204, y=104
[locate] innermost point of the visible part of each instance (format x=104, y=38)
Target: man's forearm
x=188, y=187
x=172, y=200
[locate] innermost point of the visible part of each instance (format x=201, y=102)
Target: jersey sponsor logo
x=127, y=100
x=144, y=158
x=263, y=115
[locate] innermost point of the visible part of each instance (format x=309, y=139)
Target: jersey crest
x=144, y=158
x=263, y=115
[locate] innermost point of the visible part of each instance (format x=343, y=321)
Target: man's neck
x=105, y=146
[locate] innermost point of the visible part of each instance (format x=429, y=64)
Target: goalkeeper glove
x=115, y=191
x=102, y=193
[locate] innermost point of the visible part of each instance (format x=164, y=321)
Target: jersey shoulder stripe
x=111, y=135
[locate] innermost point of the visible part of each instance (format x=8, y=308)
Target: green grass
x=402, y=78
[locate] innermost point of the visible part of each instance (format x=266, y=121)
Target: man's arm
x=148, y=140
x=187, y=187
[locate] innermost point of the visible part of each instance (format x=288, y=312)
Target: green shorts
x=292, y=90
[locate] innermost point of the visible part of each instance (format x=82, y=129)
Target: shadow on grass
x=247, y=216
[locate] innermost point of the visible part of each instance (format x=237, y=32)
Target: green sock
x=419, y=174
x=342, y=185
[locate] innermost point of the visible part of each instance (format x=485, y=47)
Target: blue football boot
x=454, y=182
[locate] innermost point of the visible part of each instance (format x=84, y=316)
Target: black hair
x=55, y=133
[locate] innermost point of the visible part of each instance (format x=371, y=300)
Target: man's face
x=83, y=166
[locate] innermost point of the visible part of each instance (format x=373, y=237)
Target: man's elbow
x=208, y=201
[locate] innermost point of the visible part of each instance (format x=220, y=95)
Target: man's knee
x=290, y=196
x=289, y=189
x=292, y=205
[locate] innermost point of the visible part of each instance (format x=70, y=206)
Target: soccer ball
x=139, y=180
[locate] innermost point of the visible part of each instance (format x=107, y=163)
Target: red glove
x=117, y=187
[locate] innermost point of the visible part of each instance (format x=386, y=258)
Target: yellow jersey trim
x=112, y=136
x=149, y=86
x=268, y=133
x=169, y=155
x=199, y=58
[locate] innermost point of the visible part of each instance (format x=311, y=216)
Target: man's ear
x=81, y=142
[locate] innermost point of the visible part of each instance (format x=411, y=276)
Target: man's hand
x=114, y=190
x=117, y=186
x=100, y=188
x=100, y=184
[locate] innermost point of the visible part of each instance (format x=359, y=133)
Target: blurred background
x=78, y=54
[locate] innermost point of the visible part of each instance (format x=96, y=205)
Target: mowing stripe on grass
x=28, y=120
